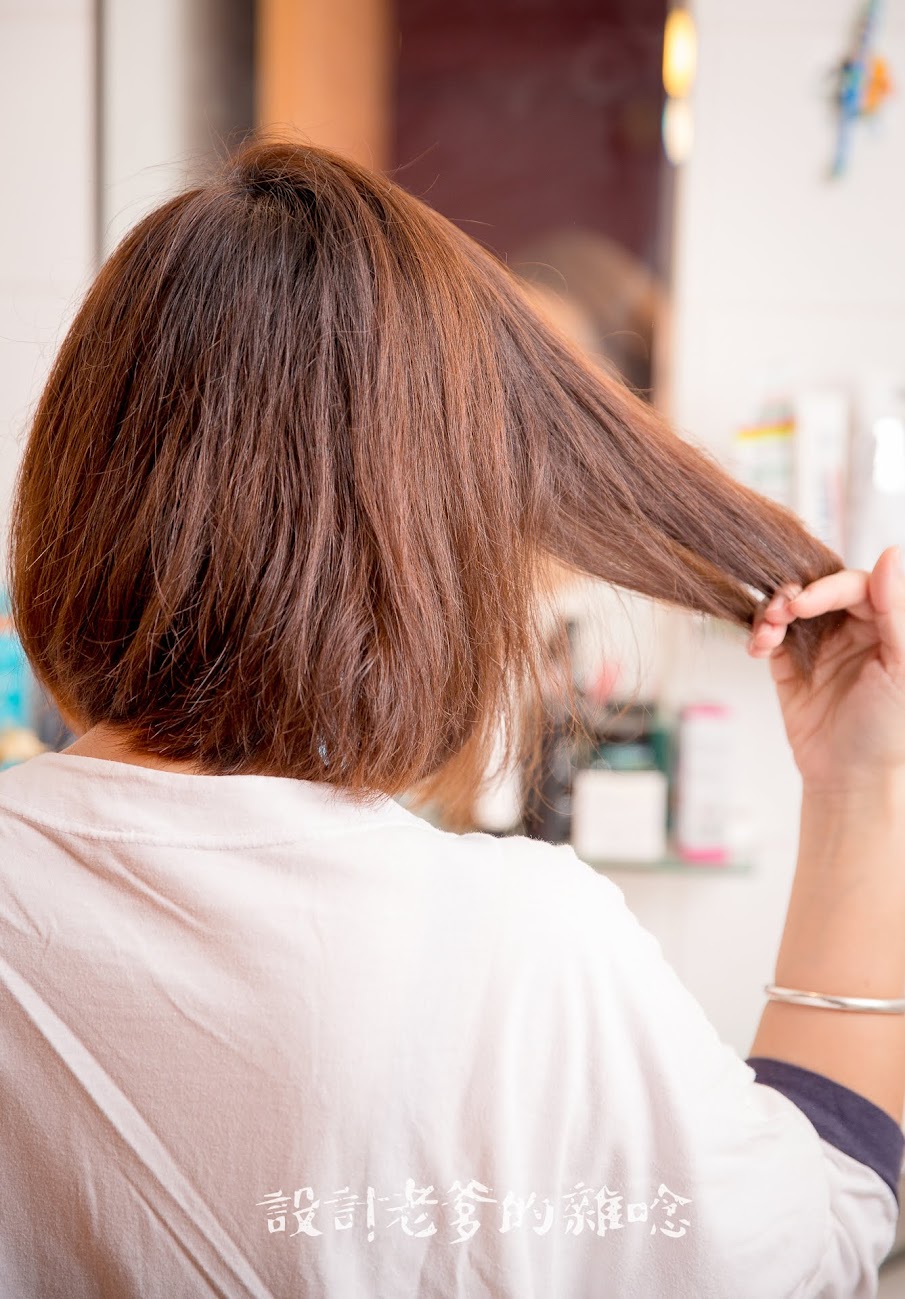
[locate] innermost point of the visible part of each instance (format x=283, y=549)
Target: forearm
x=845, y=934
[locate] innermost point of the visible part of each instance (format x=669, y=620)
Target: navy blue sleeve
x=846, y=1120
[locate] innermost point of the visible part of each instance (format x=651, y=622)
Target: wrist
x=852, y=834
x=874, y=791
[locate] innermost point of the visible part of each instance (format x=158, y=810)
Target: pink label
x=710, y=856
x=705, y=710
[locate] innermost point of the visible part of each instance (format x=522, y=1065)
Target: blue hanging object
x=15, y=674
x=863, y=83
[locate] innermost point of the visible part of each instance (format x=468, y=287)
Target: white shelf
x=671, y=865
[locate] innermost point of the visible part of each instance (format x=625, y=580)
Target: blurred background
x=706, y=197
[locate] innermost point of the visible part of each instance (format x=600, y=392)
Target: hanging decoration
x=862, y=83
x=680, y=52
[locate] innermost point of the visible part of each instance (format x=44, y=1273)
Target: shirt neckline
x=102, y=799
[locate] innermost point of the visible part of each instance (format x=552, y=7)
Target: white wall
x=177, y=88
x=47, y=213
x=778, y=271
x=147, y=123
x=55, y=176
x=176, y=83
x=777, y=267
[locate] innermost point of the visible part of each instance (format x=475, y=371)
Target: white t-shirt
x=257, y=1040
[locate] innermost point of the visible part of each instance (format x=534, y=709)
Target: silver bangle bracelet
x=871, y=1005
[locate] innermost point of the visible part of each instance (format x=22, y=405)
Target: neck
x=102, y=741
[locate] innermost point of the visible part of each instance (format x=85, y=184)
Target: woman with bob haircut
x=283, y=532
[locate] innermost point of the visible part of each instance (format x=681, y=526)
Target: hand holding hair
x=847, y=724
x=845, y=928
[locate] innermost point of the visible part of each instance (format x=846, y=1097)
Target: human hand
x=846, y=725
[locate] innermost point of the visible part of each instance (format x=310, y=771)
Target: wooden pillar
x=324, y=72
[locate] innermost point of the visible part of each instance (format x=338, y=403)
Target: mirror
x=537, y=128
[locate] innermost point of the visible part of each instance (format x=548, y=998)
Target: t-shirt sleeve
x=842, y=1117
x=790, y=1179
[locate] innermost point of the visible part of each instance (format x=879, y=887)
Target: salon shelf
x=671, y=865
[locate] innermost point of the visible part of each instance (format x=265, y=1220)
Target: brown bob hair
x=291, y=490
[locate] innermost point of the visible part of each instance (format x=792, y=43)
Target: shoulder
x=537, y=888
x=554, y=874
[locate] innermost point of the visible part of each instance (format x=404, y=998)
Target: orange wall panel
x=323, y=70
